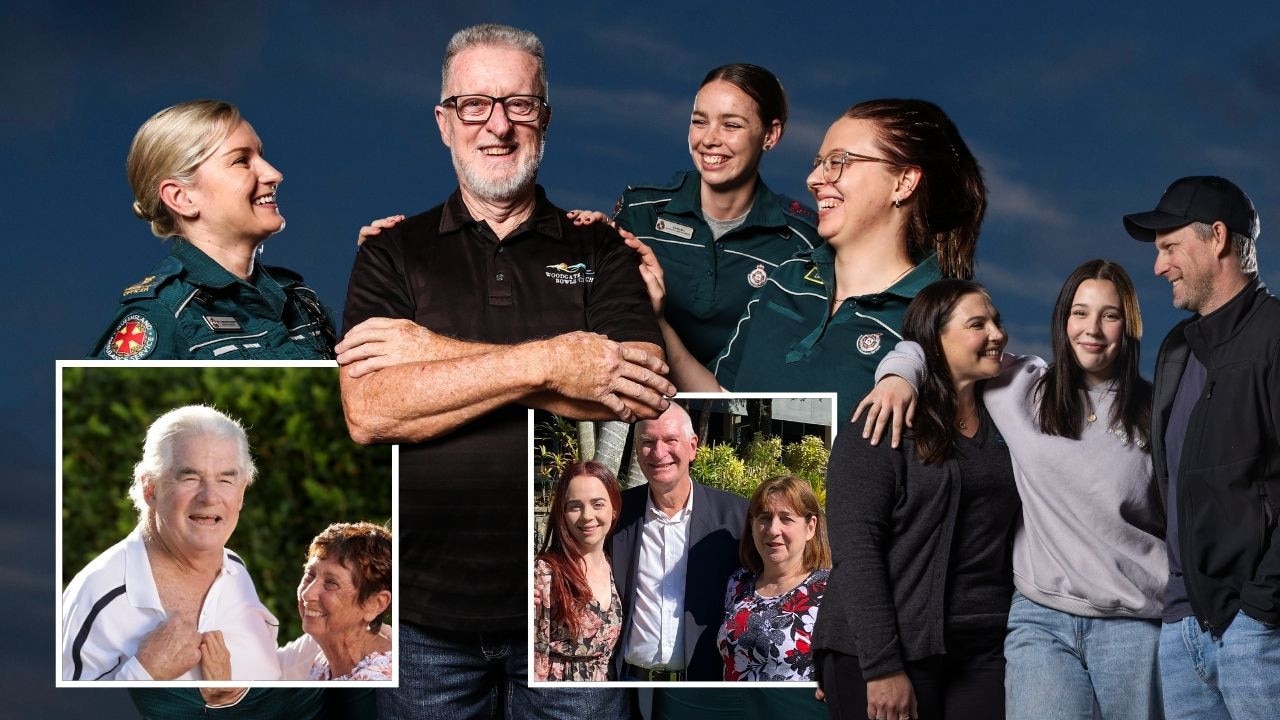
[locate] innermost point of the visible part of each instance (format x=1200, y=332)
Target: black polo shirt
x=464, y=500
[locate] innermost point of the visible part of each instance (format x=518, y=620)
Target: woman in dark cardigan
x=912, y=625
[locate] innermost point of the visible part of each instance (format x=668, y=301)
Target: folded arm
x=422, y=385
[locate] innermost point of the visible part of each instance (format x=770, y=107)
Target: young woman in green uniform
x=198, y=176
x=719, y=231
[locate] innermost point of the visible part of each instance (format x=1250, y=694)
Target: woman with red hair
x=578, y=618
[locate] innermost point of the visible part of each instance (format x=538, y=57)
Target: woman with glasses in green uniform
x=198, y=176
x=900, y=202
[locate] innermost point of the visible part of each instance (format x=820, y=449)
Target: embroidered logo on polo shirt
x=134, y=339
x=813, y=276
x=566, y=274
x=758, y=277
x=868, y=344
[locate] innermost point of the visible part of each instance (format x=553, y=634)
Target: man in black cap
x=1216, y=452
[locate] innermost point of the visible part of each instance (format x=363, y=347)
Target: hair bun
x=137, y=210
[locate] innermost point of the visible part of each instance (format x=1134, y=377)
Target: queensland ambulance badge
x=868, y=344
x=756, y=278
x=134, y=339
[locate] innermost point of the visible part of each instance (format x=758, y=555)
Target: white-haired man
x=674, y=550
x=141, y=609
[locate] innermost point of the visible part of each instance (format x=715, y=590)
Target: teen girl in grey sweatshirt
x=1089, y=560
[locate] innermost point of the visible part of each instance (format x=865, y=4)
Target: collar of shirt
x=908, y=286
x=766, y=207
x=545, y=219
x=205, y=272
x=1205, y=332
x=140, y=583
x=201, y=269
x=657, y=514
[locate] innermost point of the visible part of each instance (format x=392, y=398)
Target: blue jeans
x=1235, y=676
x=483, y=676
x=1058, y=663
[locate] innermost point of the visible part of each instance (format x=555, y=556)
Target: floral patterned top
x=374, y=666
x=556, y=655
x=768, y=638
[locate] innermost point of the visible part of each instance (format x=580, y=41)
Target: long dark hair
x=950, y=200
x=927, y=315
x=1063, y=404
x=759, y=85
x=570, y=592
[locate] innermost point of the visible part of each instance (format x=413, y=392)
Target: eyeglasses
x=476, y=109
x=834, y=162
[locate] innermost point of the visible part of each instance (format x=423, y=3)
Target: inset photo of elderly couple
x=219, y=526
x=687, y=549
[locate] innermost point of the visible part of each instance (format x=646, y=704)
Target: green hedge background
x=310, y=473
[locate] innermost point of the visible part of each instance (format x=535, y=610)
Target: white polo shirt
x=113, y=603
x=657, y=631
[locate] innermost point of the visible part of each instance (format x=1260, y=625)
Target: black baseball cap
x=1200, y=198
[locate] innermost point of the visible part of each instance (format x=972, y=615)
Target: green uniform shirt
x=788, y=340
x=710, y=281
x=190, y=308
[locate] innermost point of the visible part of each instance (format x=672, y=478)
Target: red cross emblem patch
x=134, y=339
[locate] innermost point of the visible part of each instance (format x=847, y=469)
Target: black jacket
x=715, y=525
x=891, y=521
x=1229, y=472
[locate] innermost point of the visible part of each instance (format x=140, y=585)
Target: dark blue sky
x=1077, y=117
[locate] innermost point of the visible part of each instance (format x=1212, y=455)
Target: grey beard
x=501, y=190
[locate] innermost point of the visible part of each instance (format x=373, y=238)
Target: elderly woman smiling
x=143, y=609
x=344, y=596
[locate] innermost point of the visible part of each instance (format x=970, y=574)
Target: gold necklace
x=900, y=276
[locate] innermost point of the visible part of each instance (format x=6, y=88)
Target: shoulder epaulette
x=656, y=187
x=149, y=286
x=798, y=210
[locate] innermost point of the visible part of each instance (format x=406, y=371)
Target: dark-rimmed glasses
x=833, y=163
x=477, y=108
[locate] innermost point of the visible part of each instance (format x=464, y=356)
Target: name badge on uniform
x=868, y=344
x=222, y=323
x=674, y=228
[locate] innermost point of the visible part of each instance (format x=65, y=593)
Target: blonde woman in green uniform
x=719, y=231
x=198, y=176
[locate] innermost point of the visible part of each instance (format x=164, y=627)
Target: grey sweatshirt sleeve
x=906, y=360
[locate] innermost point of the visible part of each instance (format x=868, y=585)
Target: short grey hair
x=493, y=35
x=168, y=430
x=687, y=425
x=1245, y=247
